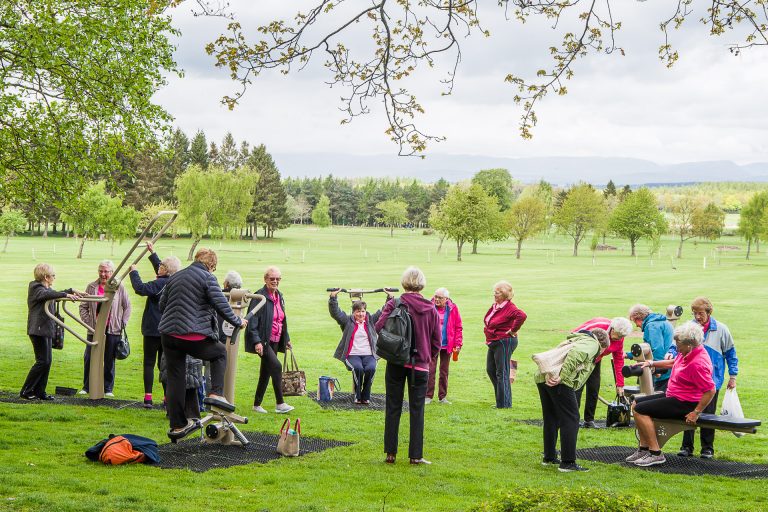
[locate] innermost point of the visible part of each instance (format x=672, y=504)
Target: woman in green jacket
x=558, y=397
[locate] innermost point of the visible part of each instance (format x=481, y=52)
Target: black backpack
x=395, y=343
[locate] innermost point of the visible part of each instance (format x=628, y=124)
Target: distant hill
x=556, y=170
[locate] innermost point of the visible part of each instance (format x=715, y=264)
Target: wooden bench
x=666, y=429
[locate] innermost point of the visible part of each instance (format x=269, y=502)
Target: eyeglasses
x=278, y=279
x=51, y=275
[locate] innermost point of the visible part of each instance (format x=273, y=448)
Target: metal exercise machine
x=357, y=293
x=98, y=333
x=220, y=425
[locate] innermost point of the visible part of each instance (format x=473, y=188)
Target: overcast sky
x=710, y=106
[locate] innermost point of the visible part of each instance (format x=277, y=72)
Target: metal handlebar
x=241, y=295
x=360, y=290
x=58, y=321
x=115, y=280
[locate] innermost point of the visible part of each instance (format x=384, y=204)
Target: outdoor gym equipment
x=357, y=293
x=98, y=333
x=219, y=426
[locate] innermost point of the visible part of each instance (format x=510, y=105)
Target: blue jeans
x=497, y=366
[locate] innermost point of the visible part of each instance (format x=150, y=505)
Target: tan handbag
x=294, y=381
x=288, y=442
x=551, y=361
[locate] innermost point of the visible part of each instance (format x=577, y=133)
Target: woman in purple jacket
x=426, y=339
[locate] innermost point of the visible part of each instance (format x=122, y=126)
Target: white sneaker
x=427, y=400
x=260, y=409
x=445, y=401
x=283, y=408
x=109, y=395
x=82, y=392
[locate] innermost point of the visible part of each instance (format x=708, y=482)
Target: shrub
x=556, y=500
x=428, y=231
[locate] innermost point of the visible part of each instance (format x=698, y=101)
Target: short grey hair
x=172, y=264
x=505, y=288
x=690, y=333
x=639, y=312
x=621, y=326
x=442, y=292
x=233, y=279
x=413, y=279
x=107, y=263
x=601, y=335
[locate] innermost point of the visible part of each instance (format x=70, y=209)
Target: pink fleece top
x=691, y=376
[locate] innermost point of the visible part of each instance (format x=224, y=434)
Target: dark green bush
x=528, y=499
x=428, y=231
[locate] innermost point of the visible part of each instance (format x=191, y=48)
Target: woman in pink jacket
x=450, y=344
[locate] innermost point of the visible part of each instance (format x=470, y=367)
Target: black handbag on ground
x=618, y=412
x=123, y=349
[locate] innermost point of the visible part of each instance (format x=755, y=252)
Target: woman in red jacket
x=502, y=321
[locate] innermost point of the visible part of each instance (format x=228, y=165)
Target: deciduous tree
x=76, y=90
x=498, y=183
x=526, y=218
x=751, y=220
x=11, y=222
x=581, y=211
x=320, y=215
x=636, y=217
x=708, y=222
x=392, y=213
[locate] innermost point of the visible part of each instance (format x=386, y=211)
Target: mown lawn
x=477, y=451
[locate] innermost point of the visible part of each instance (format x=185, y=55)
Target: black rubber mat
x=346, y=402
x=197, y=456
x=675, y=464
x=598, y=423
x=14, y=398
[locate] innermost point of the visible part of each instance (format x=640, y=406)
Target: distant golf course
x=477, y=451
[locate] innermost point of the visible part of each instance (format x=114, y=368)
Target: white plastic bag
x=732, y=407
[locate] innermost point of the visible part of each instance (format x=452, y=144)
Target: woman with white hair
x=617, y=328
x=502, y=321
x=450, y=344
x=426, y=342
x=150, y=320
x=689, y=391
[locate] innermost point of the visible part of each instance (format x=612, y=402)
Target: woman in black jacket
x=266, y=335
x=188, y=326
x=150, y=320
x=40, y=329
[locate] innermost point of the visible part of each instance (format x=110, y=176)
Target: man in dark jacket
x=189, y=303
x=150, y=320
x=267, y=334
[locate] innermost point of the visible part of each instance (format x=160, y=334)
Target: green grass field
x=477, y=451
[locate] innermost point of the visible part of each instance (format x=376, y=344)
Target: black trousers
x=561, y=412
x=153, y=350
x=363, y=369
x=395, y=378
x=270, y=369
x=707, y=435
x=592, y=389
x=176, y=351
x=661, y=385
x=497, y=367
x=37, y=378
x=110, y=348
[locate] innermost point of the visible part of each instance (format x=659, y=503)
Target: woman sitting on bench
x=689, y=391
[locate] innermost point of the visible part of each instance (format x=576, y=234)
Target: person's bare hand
x=132, y=268
x=260, y=349
x=335, y=292
x=150, y=248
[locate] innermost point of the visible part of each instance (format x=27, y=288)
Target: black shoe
x=589, y=424
x=27, y=396
x=192, y=425
x=47, y=397
x=550, y=462
x=147, y=403
x=685, y=452
x=707, y=453
x=571, y=467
